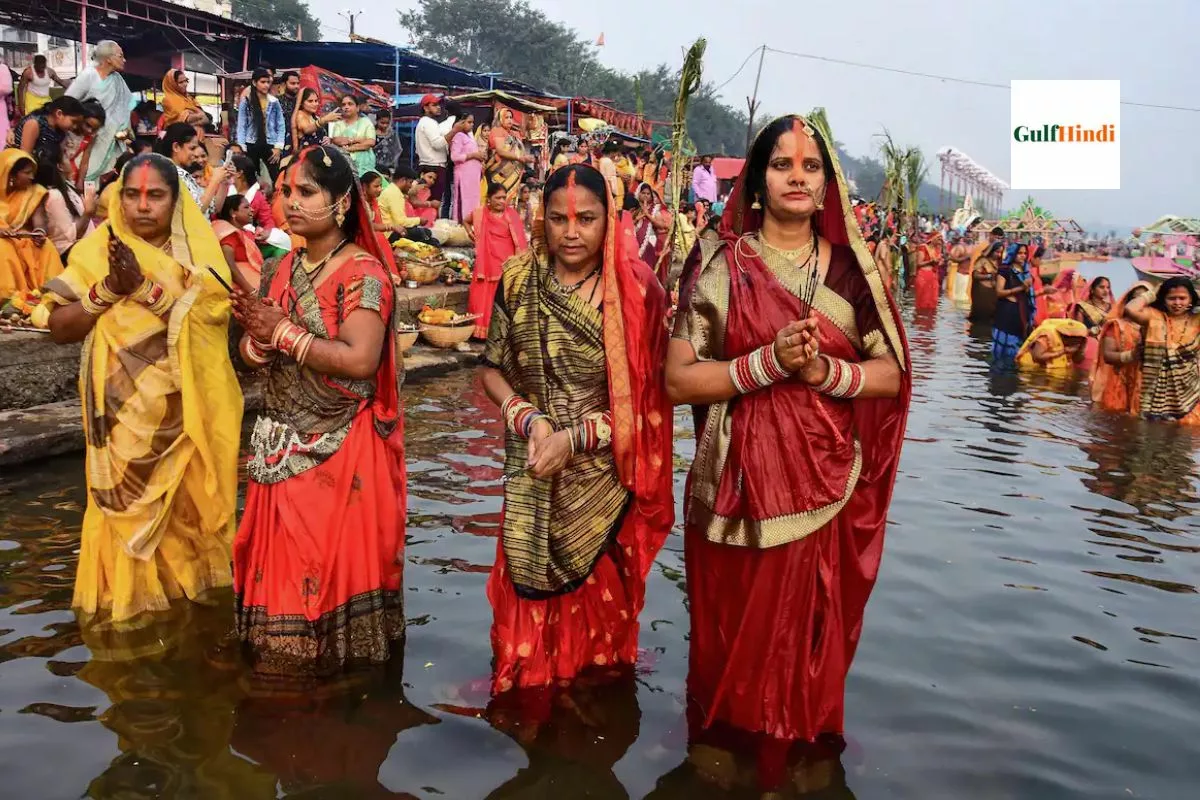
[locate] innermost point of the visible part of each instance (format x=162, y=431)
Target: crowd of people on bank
x=783, y=533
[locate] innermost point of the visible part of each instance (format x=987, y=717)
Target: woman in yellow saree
x=1056, y=346
x=162, y=409
x=27, y=259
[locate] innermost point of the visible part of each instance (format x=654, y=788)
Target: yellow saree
x=24, y=264
x=162, y=414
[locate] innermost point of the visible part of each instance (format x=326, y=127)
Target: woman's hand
x=797, y=346
x=124, y=272
x=549, y=451
x=258, y=317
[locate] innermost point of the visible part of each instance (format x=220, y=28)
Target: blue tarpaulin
x=379, y=62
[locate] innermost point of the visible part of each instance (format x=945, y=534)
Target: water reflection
x=1041, y=555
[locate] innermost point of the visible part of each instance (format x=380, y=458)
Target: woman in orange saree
x=1041, y=310
x=793, y=357
x=499, y=234
x=1117, y=373
x=178, y=105
x=319, y=555
x=573, y=360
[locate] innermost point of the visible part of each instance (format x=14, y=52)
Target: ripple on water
x=1032, y=634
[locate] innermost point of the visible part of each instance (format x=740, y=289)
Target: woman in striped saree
x=573, y=360
x=1170, y=390
x=162, y=409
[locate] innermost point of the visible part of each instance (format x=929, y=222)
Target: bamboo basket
x=445, y=337
x=406, y=339
x=422, y=273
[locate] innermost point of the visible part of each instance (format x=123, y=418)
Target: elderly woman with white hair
x=102, y=82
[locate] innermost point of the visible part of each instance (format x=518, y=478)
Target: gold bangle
x=104, y=293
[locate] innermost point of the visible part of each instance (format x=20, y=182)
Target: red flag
x=600, y=41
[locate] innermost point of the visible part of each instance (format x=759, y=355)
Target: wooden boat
x=1171, y=263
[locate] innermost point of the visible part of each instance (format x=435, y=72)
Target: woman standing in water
x=319, y=555
x=573, y=361
x=1116, y=374
x=162, y=408
x=1093, y=310
x=1170, y=388
x=1014, y=299
x=793, y=357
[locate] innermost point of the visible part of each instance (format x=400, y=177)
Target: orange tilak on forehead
x=144, y=174
x=572, y=201
x=799, y=136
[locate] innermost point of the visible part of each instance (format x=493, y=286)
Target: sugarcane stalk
x=689, y=83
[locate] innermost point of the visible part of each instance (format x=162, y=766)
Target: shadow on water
x=1032, y=635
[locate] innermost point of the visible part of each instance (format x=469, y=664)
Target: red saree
x=537, y=642
x=318, y=558
x=787, y=502
x=246, y=254
x=497, y=239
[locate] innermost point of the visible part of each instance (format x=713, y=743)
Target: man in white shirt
x=432, y=143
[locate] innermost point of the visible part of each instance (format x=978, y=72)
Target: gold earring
x=757, y=206
x=339, y=217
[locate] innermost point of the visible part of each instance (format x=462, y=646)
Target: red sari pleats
x=318, y=560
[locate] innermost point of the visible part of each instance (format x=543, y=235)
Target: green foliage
x=522, y=43
x=279, y=15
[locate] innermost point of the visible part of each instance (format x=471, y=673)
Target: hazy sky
x=1149, y=45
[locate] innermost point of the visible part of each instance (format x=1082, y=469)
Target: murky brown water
x=1033, y=633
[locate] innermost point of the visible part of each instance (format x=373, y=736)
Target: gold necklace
x=798, y=256
x=310, y=268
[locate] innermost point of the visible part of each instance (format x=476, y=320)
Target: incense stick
x=220, y=280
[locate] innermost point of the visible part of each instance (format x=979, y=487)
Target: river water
x=1034, y=632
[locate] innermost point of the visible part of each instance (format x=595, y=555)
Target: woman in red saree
x=793, y=357
x=926, y=286
x=1117, y=372
x=573, y=360
x=651, y=223
x=499, y=234
x=318, y=557
x=239, y=246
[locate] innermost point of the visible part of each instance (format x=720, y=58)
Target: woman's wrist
x=520, y=416
x=757, y=369
x=843, y=379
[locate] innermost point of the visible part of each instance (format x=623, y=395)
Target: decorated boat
x=1171, y=248
x=1029, y=222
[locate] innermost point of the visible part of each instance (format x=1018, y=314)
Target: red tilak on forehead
x=144, y=173
x=571, y=200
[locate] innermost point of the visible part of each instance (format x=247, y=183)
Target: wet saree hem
x=358, y=631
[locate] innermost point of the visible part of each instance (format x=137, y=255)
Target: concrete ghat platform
x=34, y=371
x=54, y=429
x=40, y=415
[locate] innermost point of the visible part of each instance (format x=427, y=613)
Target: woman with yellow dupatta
x=178, y=105
x=1056, y=346
x=1170, y=390
x=792, y=354
x=1117, y=374
x=27, y=258
x=574, y=362
x=162, y=409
